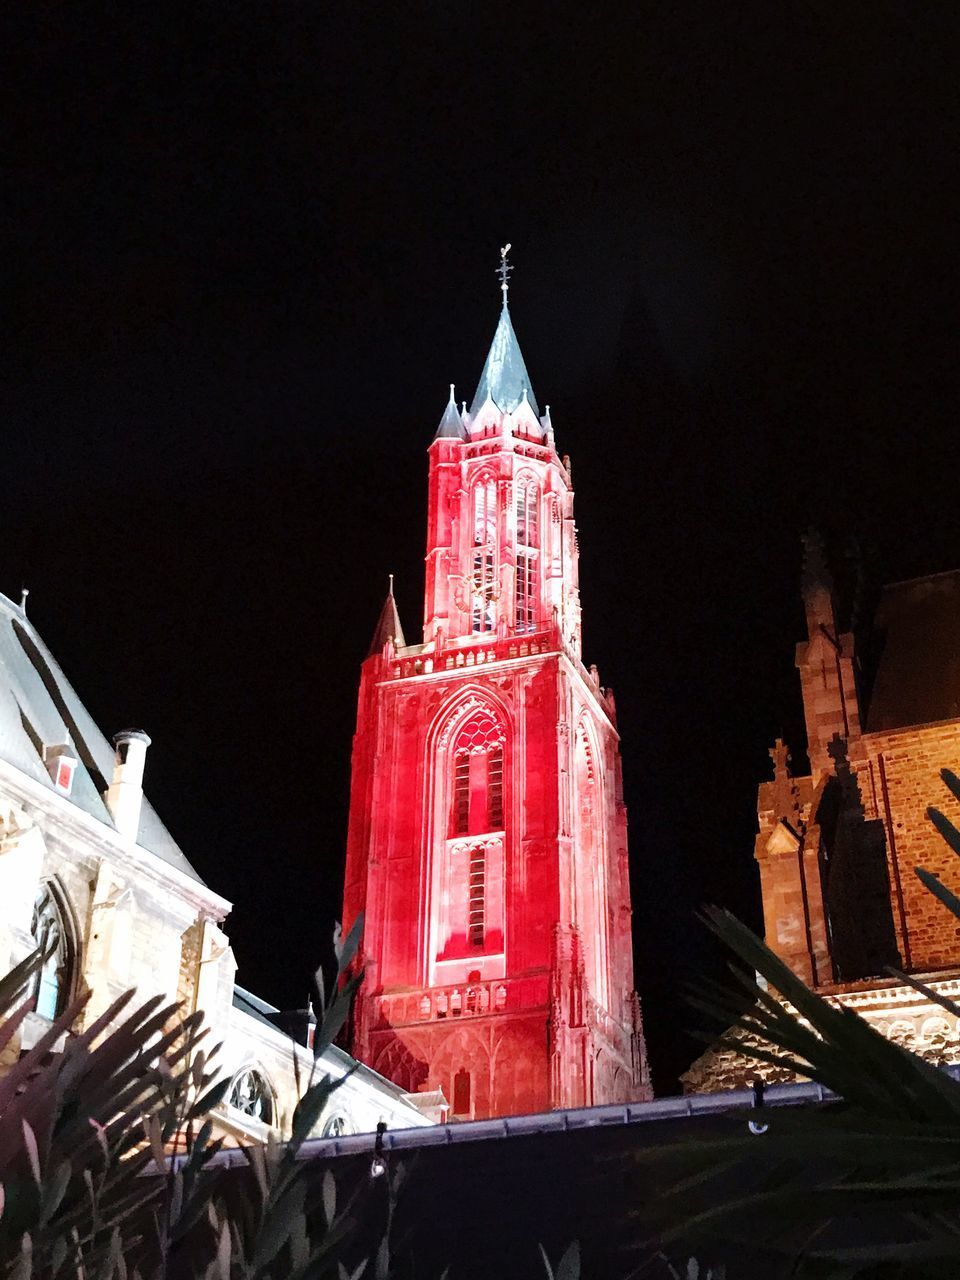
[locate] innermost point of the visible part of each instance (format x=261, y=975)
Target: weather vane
x=503, y=271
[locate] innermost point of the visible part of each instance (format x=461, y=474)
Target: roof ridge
x=923, y=577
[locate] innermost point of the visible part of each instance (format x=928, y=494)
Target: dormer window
x=61, y=765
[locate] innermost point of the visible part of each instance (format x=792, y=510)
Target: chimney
x=124, y=796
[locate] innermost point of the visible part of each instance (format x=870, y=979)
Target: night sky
x=247, y=246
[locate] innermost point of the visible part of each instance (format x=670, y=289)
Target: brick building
x=837, y=847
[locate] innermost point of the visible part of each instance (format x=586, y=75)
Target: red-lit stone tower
x=487, y=842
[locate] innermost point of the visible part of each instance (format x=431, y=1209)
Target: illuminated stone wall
x=861, y=812
x=487, y=841
x=837, y=849
x=900, y=780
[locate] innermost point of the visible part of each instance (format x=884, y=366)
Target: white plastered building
x=88, y=869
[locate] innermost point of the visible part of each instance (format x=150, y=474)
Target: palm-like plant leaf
x=838, y=1190
x=87, y=1187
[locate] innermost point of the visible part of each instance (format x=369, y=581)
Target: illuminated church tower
x=487, y=842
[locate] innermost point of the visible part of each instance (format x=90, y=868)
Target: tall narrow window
x=528, y=514
x=461, y=1093
x=51, y=988
x=528, y=543
x=495, y=789
x=526, y=591
x=476, y=923
x=251, y=1095
x=484, y=556
x=461, y=793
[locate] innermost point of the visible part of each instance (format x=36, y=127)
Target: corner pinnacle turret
x=451, y=424
x=388, y=625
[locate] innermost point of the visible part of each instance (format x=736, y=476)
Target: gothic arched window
x=528, y=544
x=477, y=791
x=484, y=584
x=252, y=1096
x=337, y=1126
x=51, y=932
x=468, y=874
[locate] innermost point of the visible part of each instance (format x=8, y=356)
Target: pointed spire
x=451, y=424
x=817, y=586
x=388, y=625
x=504, y=379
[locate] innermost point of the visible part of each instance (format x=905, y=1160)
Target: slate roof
x=480, y=1197
x=254, y=1007
x=504, y=378
x=38, y=708
x=918, y=674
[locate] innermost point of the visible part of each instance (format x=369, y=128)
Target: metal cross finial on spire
x=503, y=271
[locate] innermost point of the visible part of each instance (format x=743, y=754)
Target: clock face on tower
x=473, y=589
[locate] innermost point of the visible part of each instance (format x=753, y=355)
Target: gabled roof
x=504, y=378
x=39, y=708
x=388, y=625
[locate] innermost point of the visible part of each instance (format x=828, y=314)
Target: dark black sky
x=248, y=245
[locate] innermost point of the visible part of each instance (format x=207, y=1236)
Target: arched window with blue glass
x=54, y=939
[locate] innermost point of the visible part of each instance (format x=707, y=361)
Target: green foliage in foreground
x=868, y=1186
x=864, y=1187
x=86, y=1189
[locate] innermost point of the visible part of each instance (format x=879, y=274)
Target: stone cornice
x=104, y=842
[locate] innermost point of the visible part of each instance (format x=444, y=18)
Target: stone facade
x=87, y=868
x=487, y=844
x=837, y=849
x=895, y=1010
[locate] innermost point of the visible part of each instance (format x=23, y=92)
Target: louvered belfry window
x=495, y=788
x=484, y=584
x=477, y=903
x=528, y=544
